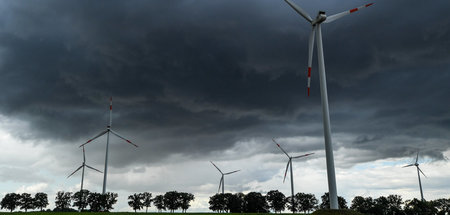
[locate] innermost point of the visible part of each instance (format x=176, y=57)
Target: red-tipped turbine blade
x=123, y=138
x=75, y=171
x=310, y=55
x=280, y=147
x=285, y=173
x=101, y=133
x=300, y=156
x=216, y=167
x=345, y=13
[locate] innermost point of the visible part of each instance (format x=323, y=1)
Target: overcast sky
x=200, y=80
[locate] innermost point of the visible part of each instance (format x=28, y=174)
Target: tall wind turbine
x=289, y=164
x=82, y=171
x=107, y=131
x=222, y=183
x=316, y=28
x=418, y=174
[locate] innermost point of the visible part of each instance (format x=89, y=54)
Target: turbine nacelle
x=321, y=16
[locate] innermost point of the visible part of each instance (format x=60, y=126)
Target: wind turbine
x=82, y=167
x=316, y=28
x=418, y=174
x=107, y=131
x=289, y=163
x=221, y=183
x=82, y=172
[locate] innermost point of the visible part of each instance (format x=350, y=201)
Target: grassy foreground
x=319, y=212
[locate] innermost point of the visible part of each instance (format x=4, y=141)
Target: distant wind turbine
x=418, y=174
x=222, y=179
x=289, y=164
x=82, y=172
x=316, y=27
x=107, y=131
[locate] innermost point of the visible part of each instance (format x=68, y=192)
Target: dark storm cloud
x=194, y=77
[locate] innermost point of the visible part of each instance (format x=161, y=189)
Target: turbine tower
x=418, y=174
x=289, y=164
x=82, y=171
x=107, y=131
x=221, y=183
x=316, y=28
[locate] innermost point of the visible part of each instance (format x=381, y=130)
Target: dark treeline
x=276, y=201
x=252, y=202
x=171, y=201
x=90, y=201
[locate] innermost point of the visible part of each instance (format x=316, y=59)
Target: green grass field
x=319, y=212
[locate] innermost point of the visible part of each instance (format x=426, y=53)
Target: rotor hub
x=321, y=16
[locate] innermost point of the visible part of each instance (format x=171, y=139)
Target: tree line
x=171, y=201
x=276, y=201
x=85, y=200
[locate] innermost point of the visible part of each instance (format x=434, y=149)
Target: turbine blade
x=408, y=165
x=110, y=111
x=123, y=138
x=231, y=172
x=280, y=147
x=101, y=133
x=299, y=10
x=75, y=171
x=342, y=14
x=216, y=167
x=421, y=172
x=285, y=173
x=310, y=55
x=93, y=168
x=417, y=157
x=220, y=183
x=300, y=156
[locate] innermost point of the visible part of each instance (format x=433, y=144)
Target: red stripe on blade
x=308, y=91
x=88, y=141
x=309, y=71
x=353, y=10
x=128, y=141
x=367, y=5
x=110, y=107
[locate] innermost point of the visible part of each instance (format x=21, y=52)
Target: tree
x=172, y=201
x=255, y=203
x=10, y=201
x=306, y=201
x=362, y=205
x=443, y=205
x=291, y=204
x=158, y=201
x=62, y=200
x=218, y=202
x=26, y=201
x=276, y=200
x=135, y=201
x=326, y=202
x=235, y=203
x=147, y=200
x=108, y=200
x=395, y=203
x=185, y=199
x=381, y=205
x=94, y=201
x=416, y=206
x=80, y=199
x=40, y=200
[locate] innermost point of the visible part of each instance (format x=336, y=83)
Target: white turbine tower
x=316, y=28
x=222, y=183
x=418, y=174
x=82, y=171
x=289, y=164
x=107, y=131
